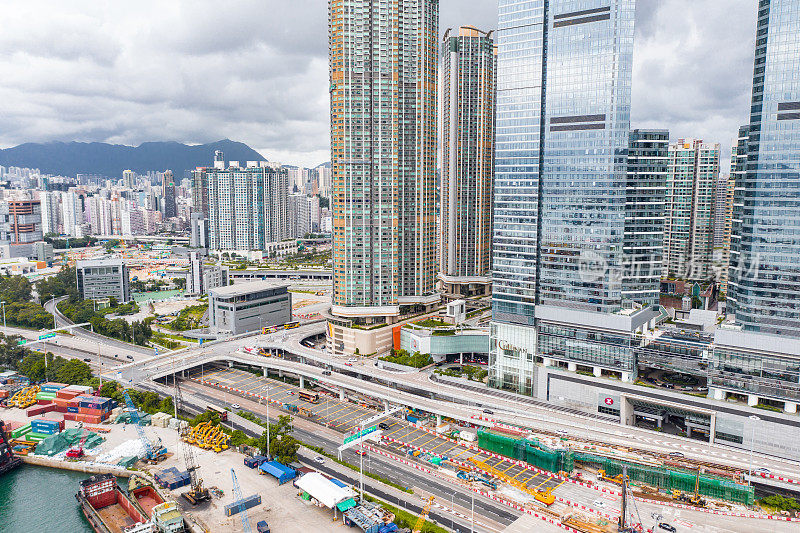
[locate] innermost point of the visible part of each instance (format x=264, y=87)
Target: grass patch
x=432, y=323
x=415, y=360
x=162, y=340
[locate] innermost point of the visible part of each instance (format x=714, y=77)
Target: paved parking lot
x=343, y=416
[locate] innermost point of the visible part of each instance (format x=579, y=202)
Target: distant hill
x=68, y=159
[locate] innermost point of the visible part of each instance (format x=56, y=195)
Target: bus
x=223, y=414
x=269, y=329
x=308, y=396
x=290, y=325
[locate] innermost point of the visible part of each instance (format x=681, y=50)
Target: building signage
x=362, y=433
x=46, y=336
x=505, y=345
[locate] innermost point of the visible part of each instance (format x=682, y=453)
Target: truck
x=262, y=527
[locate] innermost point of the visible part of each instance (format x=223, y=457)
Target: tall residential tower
x=383, y=90
x=468, y=63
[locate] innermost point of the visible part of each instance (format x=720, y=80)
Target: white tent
x=323, y=489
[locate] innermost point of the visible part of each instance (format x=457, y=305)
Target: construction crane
x=237, y=497
x=634, y=524
x=153, y=453
x=423, y=515
x=196, y=493
x=693, y=499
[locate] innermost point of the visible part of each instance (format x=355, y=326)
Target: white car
x=236, y=406
x=319, y=459
x=352, y=360
x=599, y=503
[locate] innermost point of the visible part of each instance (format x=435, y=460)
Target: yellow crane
x=423, y=515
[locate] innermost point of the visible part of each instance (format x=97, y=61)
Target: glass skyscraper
x=563, y=126
x=764, y=286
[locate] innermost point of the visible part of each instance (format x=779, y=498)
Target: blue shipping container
x=248, y=503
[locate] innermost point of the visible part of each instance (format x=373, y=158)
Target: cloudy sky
x=256, y=71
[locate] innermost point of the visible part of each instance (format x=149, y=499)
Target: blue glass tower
x=764, y=286
x=563, y=123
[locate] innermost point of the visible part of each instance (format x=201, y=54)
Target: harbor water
x=37, y=498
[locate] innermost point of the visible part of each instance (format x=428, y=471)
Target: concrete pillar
x=302, y=382
x=546, y=361
x=461, y=359
x=689, y=431
x=752, y=400
x=659, y=423
x=438, y=420
x=790, y=407
x=572, y=367
x=598, y=371
x=342, y=395
x=718, y=394
x=230, y=364
x=266, y=372
x=385, y=405
x=280, y=373
x=626, y=377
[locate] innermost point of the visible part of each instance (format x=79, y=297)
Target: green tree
x=282, y=444
x=15, y=289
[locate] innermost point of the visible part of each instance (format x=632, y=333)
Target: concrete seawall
x=78, y=466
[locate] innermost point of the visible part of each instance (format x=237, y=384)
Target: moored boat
x=108, y=509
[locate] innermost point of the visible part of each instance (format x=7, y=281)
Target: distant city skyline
x=175, y=78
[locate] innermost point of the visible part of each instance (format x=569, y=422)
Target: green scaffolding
x=531, y=451
x=668, y=479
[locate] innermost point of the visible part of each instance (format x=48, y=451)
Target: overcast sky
x=257, y=71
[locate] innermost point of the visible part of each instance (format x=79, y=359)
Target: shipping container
x=247, y=503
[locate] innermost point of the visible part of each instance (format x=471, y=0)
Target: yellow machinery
x=208, y=437
x=544, y=496
x=24, y=398
x=423, y=515
x=693, y=499
x=616, y=479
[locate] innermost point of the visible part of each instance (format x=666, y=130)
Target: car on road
x=676, y=455
x=352, y=360
x=129, y=357
x=488, y=411
x=319, y=459
x=599, y=503
x=762, y=471
x=236, y=406
x=359, y=451
x=326, y=372
x=348, y=364
x=87, y=360
x=667, y=527
x=383, y=425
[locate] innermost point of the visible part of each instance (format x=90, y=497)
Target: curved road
x=125, y=348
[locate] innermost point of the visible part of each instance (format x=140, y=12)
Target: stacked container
x=160, y=420
x=47, y=427
x=172, y=478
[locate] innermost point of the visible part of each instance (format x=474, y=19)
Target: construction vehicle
x=601, y=474
x=692, y=499
x=77, y=452
x=24, y=398
x=154, y=452
x=196, y=493
x=423, y=515
x=629, y=520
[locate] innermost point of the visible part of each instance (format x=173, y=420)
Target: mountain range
x=69, y=159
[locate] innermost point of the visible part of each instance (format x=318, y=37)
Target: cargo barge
x=8, y=461
x=108, y=509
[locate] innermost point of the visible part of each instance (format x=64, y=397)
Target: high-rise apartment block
x=383, y=92
x=20, y=221
x=248, y=205
x=103, y=278
x=304, y=214
x=759, y=355
x=689, y=217
x=563, y=130
x=468, y=65
x=643, y=243
x=168, y=193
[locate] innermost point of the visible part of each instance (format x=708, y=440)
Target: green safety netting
x=60, y=442
x=668, y=479
x=532, y=451
x=345, y=505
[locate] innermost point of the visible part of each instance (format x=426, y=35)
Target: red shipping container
x=3, y=393
x=67, y=394
x=72, y=417
x=61, y=409
x=44, y=402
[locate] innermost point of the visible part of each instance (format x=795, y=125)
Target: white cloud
x=256, y=71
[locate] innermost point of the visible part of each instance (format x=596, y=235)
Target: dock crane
x=153, y=453
x=237, y=497
x=423, y=515
x=197, y=492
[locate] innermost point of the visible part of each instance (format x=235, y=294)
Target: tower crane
x=237, y=497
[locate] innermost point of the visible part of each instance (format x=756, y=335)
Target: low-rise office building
x=100, y=279
x=245, y=307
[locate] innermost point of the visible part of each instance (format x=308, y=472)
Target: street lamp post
x=754, y=419
x=269, y=447
x=54, y=312
x=3, y=304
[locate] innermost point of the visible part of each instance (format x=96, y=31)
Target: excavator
x=692, y=499
x=601, y=474
x=423, y=515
